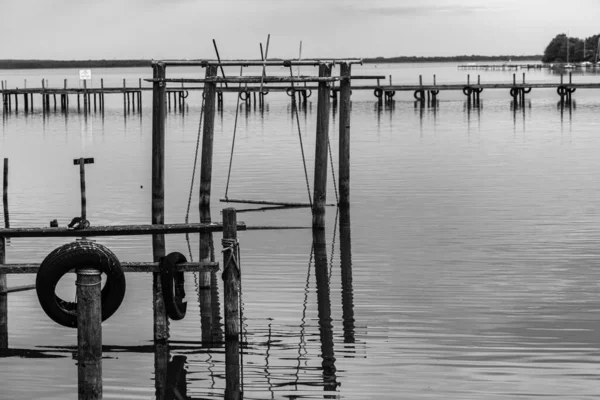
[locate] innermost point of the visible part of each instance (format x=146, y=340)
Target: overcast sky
x=154, y=29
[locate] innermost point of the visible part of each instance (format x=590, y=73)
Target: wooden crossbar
x=116, y=230
x=32, y=268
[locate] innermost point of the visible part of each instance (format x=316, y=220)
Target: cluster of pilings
x=54, y=99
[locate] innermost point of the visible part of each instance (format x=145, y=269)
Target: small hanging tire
x=172, y=282
x=80, y=254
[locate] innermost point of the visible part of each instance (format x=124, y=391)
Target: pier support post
x=231, y=289
x=3, y=287
x=161, y=323
x=89, y=334
x=346, y=274
x=210, y=89
x=320, y=183
x=344, y=140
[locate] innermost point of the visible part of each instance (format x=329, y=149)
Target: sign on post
x=85, y=74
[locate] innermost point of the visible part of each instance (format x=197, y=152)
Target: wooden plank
x=17, y=289
x=116, y=230
x=32, y=268
x=237, y=63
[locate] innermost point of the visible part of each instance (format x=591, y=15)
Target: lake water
x=470, y=270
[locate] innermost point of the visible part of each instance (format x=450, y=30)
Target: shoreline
x=58, y=64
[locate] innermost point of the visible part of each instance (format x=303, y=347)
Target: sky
x=184, y=29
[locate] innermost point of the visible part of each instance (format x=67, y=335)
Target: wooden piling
x=85, y=97
x=5, y=193
x=3, y=299
x=82, y=186
x=124, y=96
x=322, y=138
x=210, y=89
x=89, y=334
x=344, y=140
x=231, y=289
x=3, y=287
x=161, y=327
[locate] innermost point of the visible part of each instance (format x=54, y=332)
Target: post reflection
x=346, y=267
x=170, y=374
x=324, y=310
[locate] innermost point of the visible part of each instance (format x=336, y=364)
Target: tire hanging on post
x=75, y=255
x=172, y=282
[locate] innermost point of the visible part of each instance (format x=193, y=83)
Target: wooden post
x=320, y=183
x=3, y=299
x=204, y=290
x=85, y=97
x=82, y=185
x=344, y=140
x=89, y=334
x=231, y=289
x=210, y=89
x=5, y=193
x=161, y=327
x=124, y=96
x=3, y=287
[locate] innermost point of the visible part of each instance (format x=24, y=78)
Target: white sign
x=85, y=74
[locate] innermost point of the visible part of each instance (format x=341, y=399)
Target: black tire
x=80, y=254
x=172, y=283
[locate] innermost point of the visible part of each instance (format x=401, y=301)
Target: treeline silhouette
x=578, y=49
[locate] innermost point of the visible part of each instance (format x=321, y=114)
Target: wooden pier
x=254, y=90
x=88, y=259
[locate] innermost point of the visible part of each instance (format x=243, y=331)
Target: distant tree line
x=32, y=64
x=463, y=58
x=578, y=49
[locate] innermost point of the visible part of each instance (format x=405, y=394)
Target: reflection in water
x=324, y=311
x=346, y=267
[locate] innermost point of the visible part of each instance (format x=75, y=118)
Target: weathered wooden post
x=44, y=96
x=210, y=89
x=81, y=162
x=344, y=140
x=320, y=184
x=89, y=334
x=161, y=327
x=85, y=97
x=3, y=299
x=124, y=96
x=231, y=289
x=5, y=193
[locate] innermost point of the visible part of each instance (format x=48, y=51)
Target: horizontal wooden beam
x=127, y=267
x=116, y=230
x=267, y=79
x=237, y=63
x=17, y=289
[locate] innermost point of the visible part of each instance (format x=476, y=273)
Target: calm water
x=473, y=269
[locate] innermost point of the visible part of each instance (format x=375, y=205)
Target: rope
x=337, y=199
x=187, y=212
x=237, y=111
x=295, y=109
